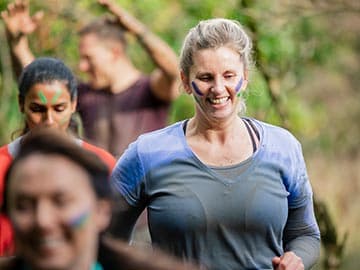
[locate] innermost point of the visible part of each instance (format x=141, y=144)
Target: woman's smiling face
x=215, y=79
x=54, y=212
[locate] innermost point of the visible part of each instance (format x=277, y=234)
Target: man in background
x=118, y=102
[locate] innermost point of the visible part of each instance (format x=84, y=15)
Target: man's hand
x=18, y=21
x=125, y=20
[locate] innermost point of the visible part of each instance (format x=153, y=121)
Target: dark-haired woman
x=47, y=98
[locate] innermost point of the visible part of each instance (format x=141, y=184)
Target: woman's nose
x=49, y=118
x=44, y=217
x=219, y=86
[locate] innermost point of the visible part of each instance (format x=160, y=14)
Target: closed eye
x=229, y=75
x=34, y=107
x=205, y=78
x=60, y=107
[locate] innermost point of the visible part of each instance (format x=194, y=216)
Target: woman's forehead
x=41, y=172
x=218, y=58
x=49, y=92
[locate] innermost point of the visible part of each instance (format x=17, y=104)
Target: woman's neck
x=219, y=145
x=215, y=132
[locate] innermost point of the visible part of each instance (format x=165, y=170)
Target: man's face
x=96, y=60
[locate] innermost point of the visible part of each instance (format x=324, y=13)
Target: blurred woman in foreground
x=59, y=201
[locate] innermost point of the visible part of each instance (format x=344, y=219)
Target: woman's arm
x=123, y=219
x=302, y=235
x=127, y=180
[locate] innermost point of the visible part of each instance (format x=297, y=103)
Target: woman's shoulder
x=166, y=137
x=7, y=154
x=157, y=144
x=10, y=150
x=4, y=151
x=5, y=161
x=104, y=155
x=275, y=133
x=172, y=130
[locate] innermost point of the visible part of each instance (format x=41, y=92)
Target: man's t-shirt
x=113, y=121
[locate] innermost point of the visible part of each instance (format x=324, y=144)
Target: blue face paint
x=238, y=86
x=78, y=221
x=197, y=99
x=198, y=92
x=196, y=89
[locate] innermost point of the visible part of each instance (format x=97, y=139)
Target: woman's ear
x=185, y=83
x=103, y=214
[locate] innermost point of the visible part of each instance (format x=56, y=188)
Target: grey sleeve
x=302, y=234
x=124, y=217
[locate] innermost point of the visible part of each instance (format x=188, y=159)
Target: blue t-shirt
x=200, y=215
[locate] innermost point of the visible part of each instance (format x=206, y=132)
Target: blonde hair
x=215, y=33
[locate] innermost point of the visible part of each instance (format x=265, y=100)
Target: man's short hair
x=105, y=28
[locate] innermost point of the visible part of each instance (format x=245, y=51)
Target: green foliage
x=182, y=108
x=10, y=117
x=276, y=49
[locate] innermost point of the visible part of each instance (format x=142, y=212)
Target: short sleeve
x=128, y=176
